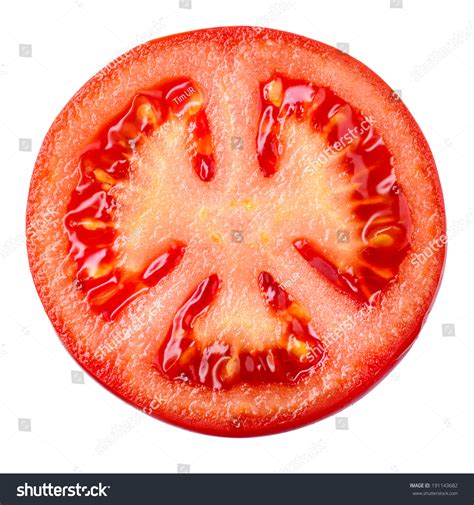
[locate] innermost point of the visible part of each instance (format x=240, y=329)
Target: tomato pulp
x=236, y=229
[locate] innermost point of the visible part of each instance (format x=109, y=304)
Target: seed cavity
x=104, y=164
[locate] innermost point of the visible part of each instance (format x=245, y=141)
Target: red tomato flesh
x=225, y=228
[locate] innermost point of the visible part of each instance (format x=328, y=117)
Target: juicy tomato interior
x=378, y=206
x=103, y=164
x=375, y=224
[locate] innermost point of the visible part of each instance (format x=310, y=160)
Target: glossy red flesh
x=109, y=289
x=105, y=163
x=220, y=365
x=370, y=347
x=379, y=207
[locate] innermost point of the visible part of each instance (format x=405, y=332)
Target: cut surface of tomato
x=236, y=243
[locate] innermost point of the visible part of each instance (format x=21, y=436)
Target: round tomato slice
x=237, y=230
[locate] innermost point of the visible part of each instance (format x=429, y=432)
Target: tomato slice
x=229, y=229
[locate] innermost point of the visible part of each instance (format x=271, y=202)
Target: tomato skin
x=39, y=217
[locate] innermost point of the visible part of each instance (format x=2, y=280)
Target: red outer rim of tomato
x=42, y=222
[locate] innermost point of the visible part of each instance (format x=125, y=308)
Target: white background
x=419, y=419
